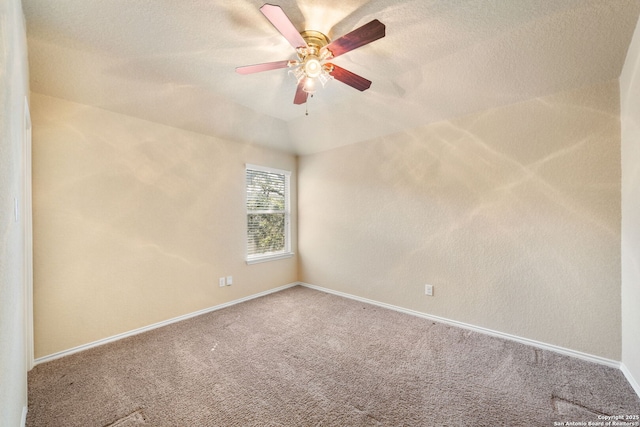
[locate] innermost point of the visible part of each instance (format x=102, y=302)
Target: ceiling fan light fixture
x=309, y=86
x=312, y=66
x=298, y=73
x=324, y=77
x=309, y=82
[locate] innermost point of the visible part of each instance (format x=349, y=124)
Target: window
x=268, y=214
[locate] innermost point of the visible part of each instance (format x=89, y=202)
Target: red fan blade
x=283, y=24
x=368, y=33
x=301, y=95
x=250, y=69
x=349, y=78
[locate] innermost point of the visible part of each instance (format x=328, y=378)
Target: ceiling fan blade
x=301, y=95
x=283, y=24
x=349, y=78
x=368, y=33
x=250, y=69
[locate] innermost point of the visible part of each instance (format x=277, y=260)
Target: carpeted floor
x=306, y=358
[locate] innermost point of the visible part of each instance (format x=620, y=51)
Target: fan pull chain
x=306, y=106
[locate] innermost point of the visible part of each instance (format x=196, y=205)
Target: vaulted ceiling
x=173, y=61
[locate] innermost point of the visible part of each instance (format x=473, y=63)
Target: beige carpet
x=306, y=358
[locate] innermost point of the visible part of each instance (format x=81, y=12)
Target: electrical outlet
x=229, y=280
x=428, y=290
x=221, y=282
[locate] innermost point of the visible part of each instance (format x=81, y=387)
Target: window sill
x=270, y=257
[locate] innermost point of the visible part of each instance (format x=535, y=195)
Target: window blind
x=267, y=211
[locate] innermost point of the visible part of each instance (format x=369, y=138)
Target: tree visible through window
x=267, y=212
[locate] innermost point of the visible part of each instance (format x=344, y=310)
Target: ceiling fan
x=314, y=50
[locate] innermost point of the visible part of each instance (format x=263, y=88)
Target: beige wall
x=134, y=222
x=630, y=118
x=13, y=89
x=512, y=214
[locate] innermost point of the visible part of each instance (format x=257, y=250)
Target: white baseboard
x=23, y=421
x=632, y=381
x=538, y=344
x=157, y=325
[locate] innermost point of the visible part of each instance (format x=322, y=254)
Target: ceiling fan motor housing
x=315, y=40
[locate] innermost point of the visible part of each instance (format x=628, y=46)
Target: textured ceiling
x=173, y=61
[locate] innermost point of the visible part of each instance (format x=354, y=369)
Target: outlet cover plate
x=428, y=290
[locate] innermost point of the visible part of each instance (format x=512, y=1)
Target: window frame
x=286, y=252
